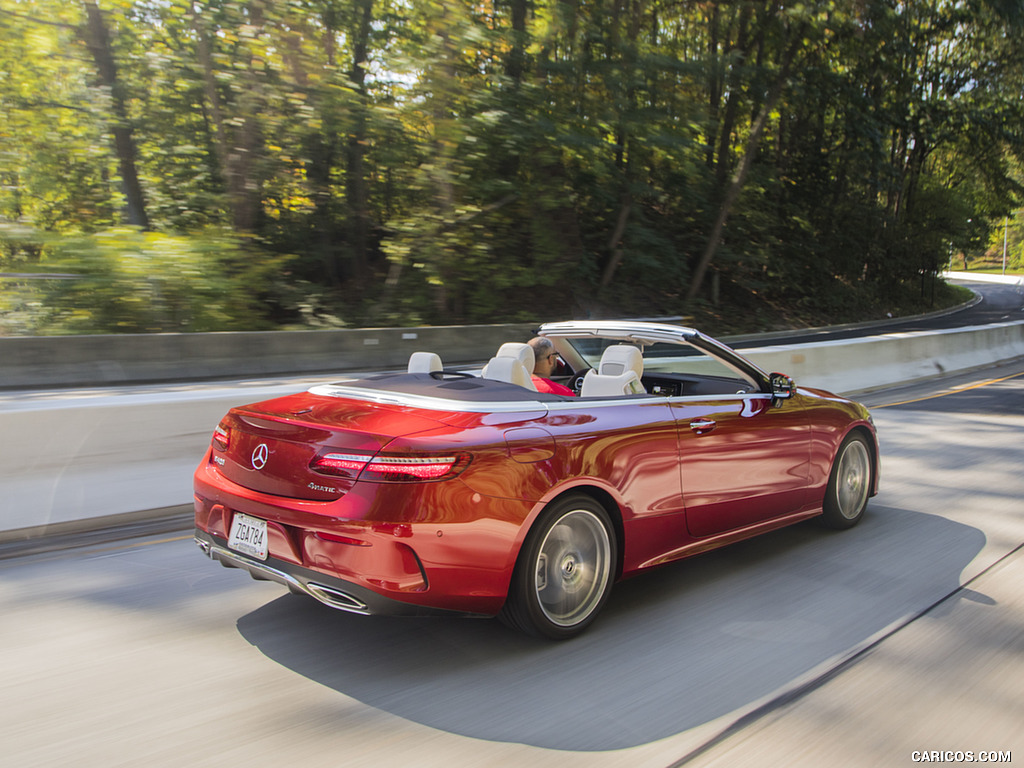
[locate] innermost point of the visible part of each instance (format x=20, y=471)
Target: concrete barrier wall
x=75, y=361
x=92, y=456
x=985, y=277
x=79, y=460
x=858, y=365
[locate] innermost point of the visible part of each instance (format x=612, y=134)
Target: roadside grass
x=990, y=264
x=996, y=270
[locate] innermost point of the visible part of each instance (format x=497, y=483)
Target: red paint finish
x=752, y=465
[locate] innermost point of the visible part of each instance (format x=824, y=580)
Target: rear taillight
x=339, y=464
x=221, y=437
x=391, y=469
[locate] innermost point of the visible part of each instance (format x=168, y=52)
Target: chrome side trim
x=329, y=596
x=458, y=406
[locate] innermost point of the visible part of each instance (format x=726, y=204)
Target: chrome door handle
x=700, y=426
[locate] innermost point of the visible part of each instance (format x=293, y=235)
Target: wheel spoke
x=852, y=479
x=573, y=567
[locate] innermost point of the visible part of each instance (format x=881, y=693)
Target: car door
x=742, y=460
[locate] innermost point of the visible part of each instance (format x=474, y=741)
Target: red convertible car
x=435, y=490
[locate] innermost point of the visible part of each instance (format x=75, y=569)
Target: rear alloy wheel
x=849, y=484
x=565, y=570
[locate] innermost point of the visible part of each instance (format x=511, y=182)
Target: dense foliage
x=207, y=164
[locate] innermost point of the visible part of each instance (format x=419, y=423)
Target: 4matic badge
x=259, y=456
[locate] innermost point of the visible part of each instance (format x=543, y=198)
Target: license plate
x=248, y=536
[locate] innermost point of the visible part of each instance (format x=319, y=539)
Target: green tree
x=453, y=161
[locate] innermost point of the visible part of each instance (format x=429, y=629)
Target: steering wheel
x=576, y=382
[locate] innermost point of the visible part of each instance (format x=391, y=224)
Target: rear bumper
x=398, y=548
x=336, y=593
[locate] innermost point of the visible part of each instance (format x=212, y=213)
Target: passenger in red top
x=544, y=361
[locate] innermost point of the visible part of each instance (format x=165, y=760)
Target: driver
x=544, y=361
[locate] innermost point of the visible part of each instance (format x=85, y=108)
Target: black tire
x=849, y=485
x=565, y=570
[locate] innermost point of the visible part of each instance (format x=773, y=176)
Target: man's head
x=544, y=356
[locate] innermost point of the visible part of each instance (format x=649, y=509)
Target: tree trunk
x=355, y=178
x=615, y=241
x=739, y=177
x=623, y=159
x=516, y=65
x=98, y=40
x=733, y=102
x=205, y=55
x=714, y=87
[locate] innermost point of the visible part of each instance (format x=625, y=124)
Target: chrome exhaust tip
x=336, y=599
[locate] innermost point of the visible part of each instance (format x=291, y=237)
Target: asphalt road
x=802, y=647
x=998, y=304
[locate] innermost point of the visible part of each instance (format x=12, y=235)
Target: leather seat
x=424, y=362
x=513, y=363
x=510, y=370
x=618, y=373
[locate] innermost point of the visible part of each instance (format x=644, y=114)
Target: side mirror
x=782, y=388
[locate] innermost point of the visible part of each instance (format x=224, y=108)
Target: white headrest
x=424, y=362
x=521, y=352
x=510, y=370
x=621, y=358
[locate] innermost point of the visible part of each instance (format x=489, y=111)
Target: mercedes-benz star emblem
x=259, y=456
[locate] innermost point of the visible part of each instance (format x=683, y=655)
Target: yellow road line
x=90, y=550
x=953, y=391
x=144, y=543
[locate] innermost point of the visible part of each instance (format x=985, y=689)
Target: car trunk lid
x=269, y=447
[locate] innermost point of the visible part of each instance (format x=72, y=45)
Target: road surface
x=998, y=303
x=803, y=647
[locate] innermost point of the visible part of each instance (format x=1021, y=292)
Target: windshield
x=663, y=357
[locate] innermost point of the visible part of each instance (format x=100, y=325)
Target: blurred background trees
x=226, y=164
